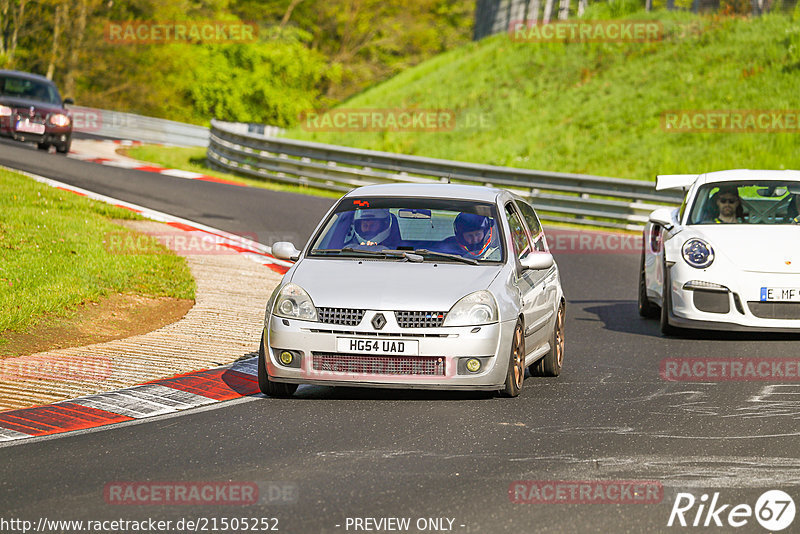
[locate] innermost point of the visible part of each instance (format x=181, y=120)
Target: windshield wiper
x=415, y=258
x=424, y=251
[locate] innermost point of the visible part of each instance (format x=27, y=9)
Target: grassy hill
x=596, y=108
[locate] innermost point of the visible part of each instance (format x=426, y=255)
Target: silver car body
x=386, y=286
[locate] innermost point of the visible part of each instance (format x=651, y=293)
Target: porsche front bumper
x=705, y=301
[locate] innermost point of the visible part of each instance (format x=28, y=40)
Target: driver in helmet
x=371, y=227
x=474, y=235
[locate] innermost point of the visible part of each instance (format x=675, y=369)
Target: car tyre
x=550, y=364
x=267, y=386
x=646, y=308
x=516, y=364
x=64, y=148
x=666, y=305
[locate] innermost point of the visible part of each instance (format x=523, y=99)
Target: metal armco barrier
x=119, y=125
x=562, y=197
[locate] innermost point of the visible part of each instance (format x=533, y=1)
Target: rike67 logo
x=774, y=510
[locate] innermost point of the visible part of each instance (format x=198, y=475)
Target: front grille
x=377, y=334
x=343, y=316
x=774, y=310
x=23, y=113
x=419, y=319
x=378, y=365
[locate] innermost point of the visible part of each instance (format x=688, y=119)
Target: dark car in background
x=31, y=110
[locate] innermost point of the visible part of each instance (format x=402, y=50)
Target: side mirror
x=68, y=102
x=663, y=216
x=537, y=261
x=283, y=250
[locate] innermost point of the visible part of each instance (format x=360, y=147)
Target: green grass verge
x=194, y=159
x=53, y=257
x=596, y=108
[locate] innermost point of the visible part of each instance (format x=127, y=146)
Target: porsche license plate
x=398, y=347
x=30, y=127
x=780, y=294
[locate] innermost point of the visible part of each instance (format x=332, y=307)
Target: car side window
x=519, y=237
x=537, y=236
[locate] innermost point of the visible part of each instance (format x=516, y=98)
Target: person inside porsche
x=729, y=205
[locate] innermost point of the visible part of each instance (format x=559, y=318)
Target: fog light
x=473, y=365
x=286, y=357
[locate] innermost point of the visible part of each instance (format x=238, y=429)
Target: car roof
x=28, y=75
x=433, y=190
x=740, y=175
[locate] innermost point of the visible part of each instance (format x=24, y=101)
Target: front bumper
x=739, y=308
x=53, y=135
x=447, y=347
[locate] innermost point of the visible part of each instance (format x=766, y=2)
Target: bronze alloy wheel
x=550, y=364
x=559, y=337
x=516, y=364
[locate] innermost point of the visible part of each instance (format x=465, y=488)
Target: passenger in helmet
x=475, y=236
x=371, y=227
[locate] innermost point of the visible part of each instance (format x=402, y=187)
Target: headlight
x=59, y=119
x=474, y=309
x=5, y=111
x=698, y=253
x=293, y=302
x=271, y=304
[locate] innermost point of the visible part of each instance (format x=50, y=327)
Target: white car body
x=749, y=261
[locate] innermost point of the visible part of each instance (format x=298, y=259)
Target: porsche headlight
x=474, y=309
x=698, y=253
x=294, y=303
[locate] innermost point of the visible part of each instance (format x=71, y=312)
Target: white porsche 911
x=729, y=257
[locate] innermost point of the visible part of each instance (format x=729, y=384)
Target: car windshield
x=29, y=89
x=436, y=229
x=762, y=202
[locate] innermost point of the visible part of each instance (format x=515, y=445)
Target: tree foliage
x=309, y=54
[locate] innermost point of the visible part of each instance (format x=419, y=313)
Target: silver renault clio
x=435, y=286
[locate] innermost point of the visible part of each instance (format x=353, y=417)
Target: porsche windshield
x=763, y=202
x=436, y=229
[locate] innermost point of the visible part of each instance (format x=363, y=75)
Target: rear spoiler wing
x=675, y=181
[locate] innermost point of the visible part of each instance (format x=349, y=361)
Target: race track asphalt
x=355, y=453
